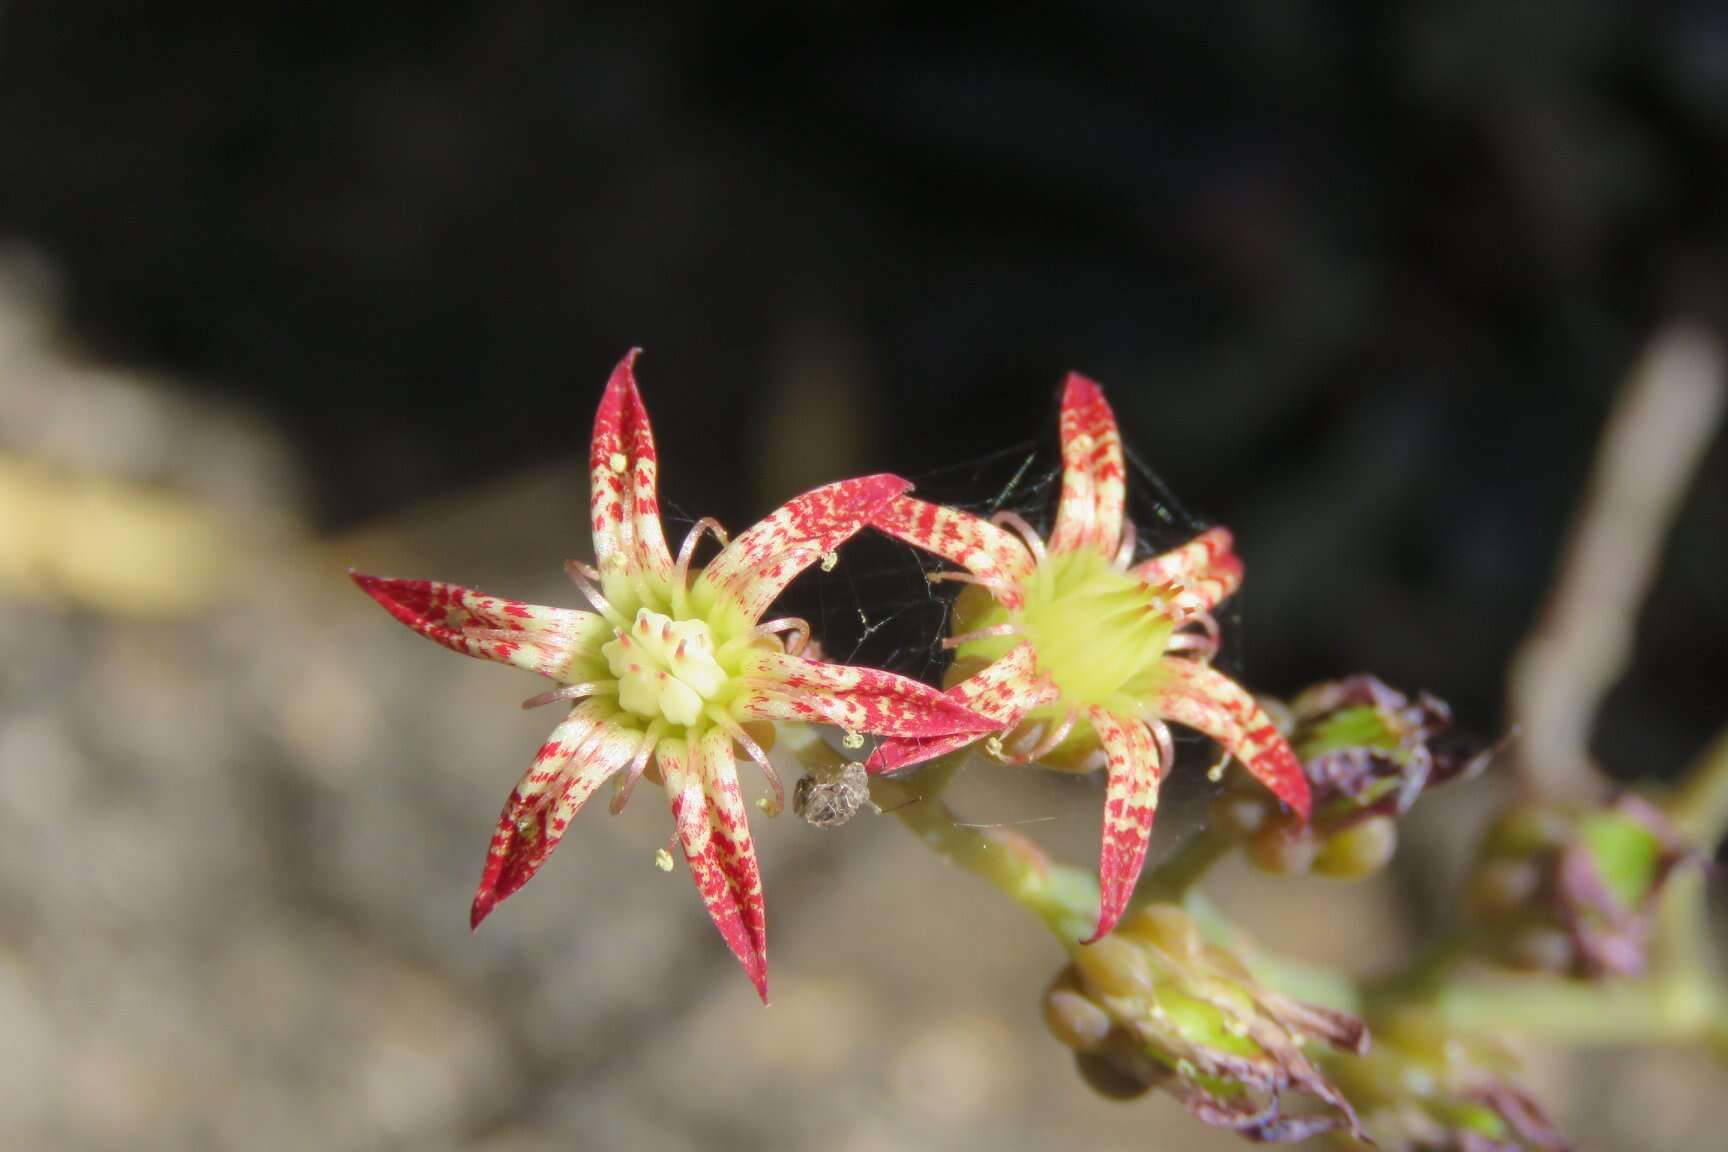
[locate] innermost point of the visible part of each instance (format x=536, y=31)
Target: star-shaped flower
x=670, y=673
x=1084, y=657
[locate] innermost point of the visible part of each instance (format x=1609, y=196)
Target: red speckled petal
x=575, y=760
x=623, y=470
x=1205, y=571
x=1130, y=800
x=1094, y=481
x=715, y=834
x=755, y=567
x=543, y=640
x=996, y=557
x=1002, y=693
x=1210, y=702
x=857, y=699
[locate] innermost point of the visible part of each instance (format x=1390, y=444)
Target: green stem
x=1171, y=881
x=1700, y=807
x=1064, y=898
x=1666, y=1009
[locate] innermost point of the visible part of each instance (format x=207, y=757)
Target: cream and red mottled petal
x=1003, y=693
x=1094, y=480
x=1213, y=548
x=757, y=565
x=1210, y=587
x=996, y=557
x=791, y=688
x=540, y=639
x=713, y=829
x=1208, y=701
x=585, y=749
x=623, y=468
x=1130, y=801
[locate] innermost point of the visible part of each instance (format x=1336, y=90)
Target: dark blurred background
x=1361, y=278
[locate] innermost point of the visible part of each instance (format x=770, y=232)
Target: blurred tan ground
x=241, y=813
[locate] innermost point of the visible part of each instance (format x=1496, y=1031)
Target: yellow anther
x=830, y=561
x=618, y=462
x=853, y=740
x=662, y=859
x=664, y=668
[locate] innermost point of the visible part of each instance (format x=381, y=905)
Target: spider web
x=878, y=607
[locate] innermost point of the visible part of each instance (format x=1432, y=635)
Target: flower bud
x=1369, y=748
x=1156, y=1006
x=1284, y=848
x=1425, y=1089
x=1360, y=850
x=1368, y=752
x=1239, y=815
x=1073, y=1019
x=1574, y=890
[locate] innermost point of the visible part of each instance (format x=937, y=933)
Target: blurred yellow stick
x=1659, y=428
x=100, y=543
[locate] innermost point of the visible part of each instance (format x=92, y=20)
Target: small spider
x=830, y=797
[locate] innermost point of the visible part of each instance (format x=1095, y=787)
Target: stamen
x=686, y=552
x=1052, y=737
x=638, y=762
x=1205, y=641
x=755, y=752
x=1216, y=772
x=799, y=628
x=572, y=692
x=587, y=579
x=1165, y=742
x=995, y=630
x=1028, y=534
x=1125, y=551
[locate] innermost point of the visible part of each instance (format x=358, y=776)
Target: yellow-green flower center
x=1099, y=632
x=666, y=668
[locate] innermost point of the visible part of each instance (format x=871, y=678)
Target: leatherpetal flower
x=672, y=672
x=1084, y=658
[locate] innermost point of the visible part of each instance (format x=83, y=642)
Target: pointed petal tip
x=1106, y=925
x=484, y=901
x=389, y=593
x=621, y=385
x=758, y=973
x=1081, y=389
x=1116, y=884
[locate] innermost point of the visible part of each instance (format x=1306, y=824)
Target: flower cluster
x=1155, y=1006
x=1368, y=752
x=1575, y=890
x=1070, y=652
